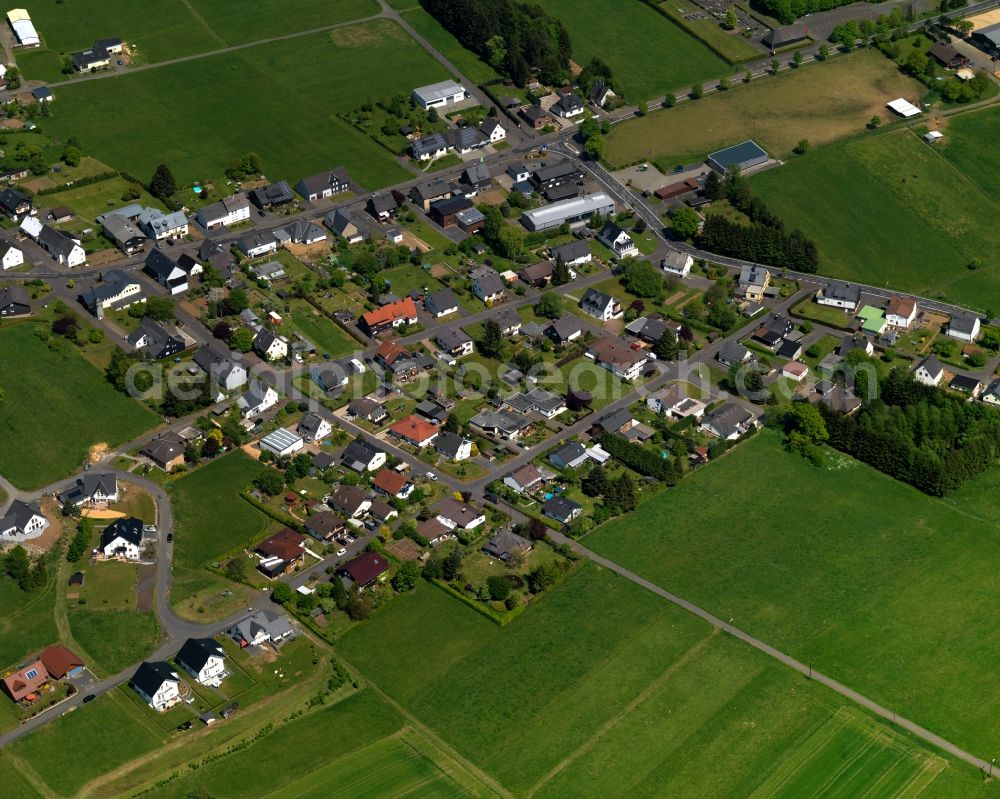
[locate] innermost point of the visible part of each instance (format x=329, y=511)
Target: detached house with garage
x=415, y=430
x=257, y=243
x=257, y=399
x=929, y=372
x=262, y=627
x=22, y=521
x=619, y=359
x=601, y=306
x=314, y=427
x=226, y=212
x=452, y=446
x=838, y=294
x=964, y=327
x=455, y=342
x=65, y=249
x=325, y=184
x=165, y=271
x=117, y=292
x=122, y=539
x=205, y=660
x=91, y=489
x=361, y=456
x=157, y=684
x=618, y=241
x=391, y=315
x=441, y=303
x=488, y=286
x=154, y=340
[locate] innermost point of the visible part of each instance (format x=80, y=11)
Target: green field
x=819, y=102
x=114, y=639
x=27, y=623
x=324, y=333
x=603, y=689
x=841, y=567
x=89, y=201
x=648, y=54
x=889, y=210
x=180, y=121
x=174, y=28
x=109, y=584
x=968, y=144
x=467, y=62
x=45, y=441
x=729, y=44
x=211, y=517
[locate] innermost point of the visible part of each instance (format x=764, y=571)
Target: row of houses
x=461, y=140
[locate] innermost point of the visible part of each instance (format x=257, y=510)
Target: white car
x=358, y=366
x=431, y=476
x=341, y=552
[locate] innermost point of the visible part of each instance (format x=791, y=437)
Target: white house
x=929, y=371
x=22, y=521
x=270, y=346
x=314, y=427
x=159, y=226
x=257, y=243
x=677, y=263
x=601, y=306
x=493, y=130
x=618, y=241
x=91, y=489
x=260, y=628
x=453, y=446
x=227, y=211
x=122, y=539
x=900, y=312
x=65, y=249
x=257, y=399
x=838, y=294
x=158, y=685
x=204, y=660
x=964, y=327
x=10, y=256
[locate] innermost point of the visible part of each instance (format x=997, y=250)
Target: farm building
x=746, y=155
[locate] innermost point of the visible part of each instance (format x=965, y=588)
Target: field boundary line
x=33, y=777
x=804, y=760
x=692, y=651
x=196, y=15
x=443, y=768
x=418, y=725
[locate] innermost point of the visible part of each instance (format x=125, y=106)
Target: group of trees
x=764, y=240
x=512, y=37
x=28, y=573
x=787, y=11
x=618, y=495
x=80, y=544
x=642, y=279
x=246, y=166
x=642, y=459
x=505, y=240
x=919, y=434
x=922, y=67
x=881, y=30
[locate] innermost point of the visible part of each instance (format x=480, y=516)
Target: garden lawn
x=41, y=64
x=93, y=199
x=179, y=120
x=62, y=752
x=39, y=445
x=841, y=567
x=648, y=54
x=889, y=210
x=114, y=639
x=212, y=519
x=609, y=690
x=324, y=333
x=819, y=102
x=109, y=584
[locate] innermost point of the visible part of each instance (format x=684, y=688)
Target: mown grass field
x=865, y=578
x=175, y=28
x=969, y=144
x=730, y=44
x=45, y=441
x=114, y=639
x=890, y=210
x=276, y=100
x=467, y=62
x=211, y=519
x=819, y=102
x=27, y=623
x=603, y=689
x=324, y=333
x=94, y=199
x=648, y=54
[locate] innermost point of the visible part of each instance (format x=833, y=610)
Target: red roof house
x=415, y=430
x=60, y=662
x=365, y=569
x=25, y=681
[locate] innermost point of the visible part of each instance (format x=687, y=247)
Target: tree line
x=919, y=435
x=512, y=37
x=787, y=11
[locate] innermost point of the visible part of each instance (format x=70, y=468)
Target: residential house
x=24, y=683
x=789, y=350
x=158, y=685
x=732, y=353
x=518, y=172
x=204, y=660
x=618, y=241
x=651, y=329
x=509, y=320
x=165, y=271
x=260, y=628
x=901, y=312
x=492, y=130
x=159, y=225
x=753, y=282
x=966, y=384
x=477, y=177
x=122, y=539
x=382, y=206
x=268, y=271
x=601, y=306
x=729, y=421
x=364, y=570
x=155, y=340
x=65, y=249
x=314, y=427
x=948, y=56
x=537, y=275
x=524, y=478
x=304, y=232
x=16, y=204
x=455, y=341
x=618, y=358
x=600, y=93
x=10, y=256
x=569, y=456
x=22, y=521
x=538, y=118
x=794, y=370
x=445, y=212
x=568, y=106
x=677, y=263
x=929, y=371
x=166, y=450
x=91, y=489
x=441, y=303
x=964, y=327
x=564, y=330
x=618, y=422
x=282, y=442
x=325, y=525
x=455, y=514
x=538, y=400
x=856, y=342
x=257, y=243
x=991, y=394
x=281, y=552
x=361, y=456
x=453, y=446
x=414, y=430
x=549, y=175
x=393, y=484
x=270, y=346
x=258, y=398
x=489, y=287
x=505, y=545
x=435, y=531
x=323, y=185
x=393, y=315
x=561, y=509
x=343, y=225
x=431, y=411
x=573, y=253
x=60, y=662
x=839, y=294
x=218, y=362
x=428, y=148
x=227, y=211
x=273, y=195
x=423, y=194
x=14, y=301
x=124, y=234
x=504, y=425
x=368, y=409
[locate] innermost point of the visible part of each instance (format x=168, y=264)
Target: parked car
x=431, y=476
x=89, y=698
x=341, y=552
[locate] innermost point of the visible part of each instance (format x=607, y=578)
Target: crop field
x=648, y=54
x=819, y=103
x=175, y=28
x=211, y=517
x=285, y=84
x=39, y=446
x=888, y=209
x=643, y=699
x=841, y=567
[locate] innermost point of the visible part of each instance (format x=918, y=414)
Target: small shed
x=932, y=136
